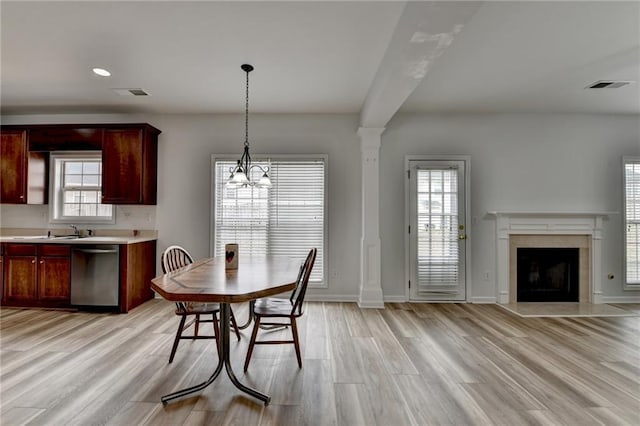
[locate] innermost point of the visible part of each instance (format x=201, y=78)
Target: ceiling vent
x=131, y=92
x=608, y=84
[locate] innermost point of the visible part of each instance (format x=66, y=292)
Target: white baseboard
x=395, y=299
x=620, y=299
x=331, y=298
x=484, y=299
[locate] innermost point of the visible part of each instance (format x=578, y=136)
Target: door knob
x=462, y=236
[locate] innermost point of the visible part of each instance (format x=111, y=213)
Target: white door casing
x=437, y=228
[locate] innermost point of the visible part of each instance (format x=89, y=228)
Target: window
x=632, y=220
x=286, y=220
x=76, y=189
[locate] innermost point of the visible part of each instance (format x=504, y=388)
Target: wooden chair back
x=297, y=297
x=175, y=257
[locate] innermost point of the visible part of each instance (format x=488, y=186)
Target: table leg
x=249, y=318
x=224, y=359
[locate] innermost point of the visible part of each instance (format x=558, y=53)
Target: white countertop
x=32, y=236
x=75, y=241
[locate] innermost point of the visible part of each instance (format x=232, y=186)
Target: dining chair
x=273, y=311
x=175, y=257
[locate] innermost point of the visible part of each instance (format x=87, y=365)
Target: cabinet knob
x=41, y=262
x=22, y=196
x=33, y=261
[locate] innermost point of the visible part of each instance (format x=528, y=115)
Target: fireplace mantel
x=548, y=223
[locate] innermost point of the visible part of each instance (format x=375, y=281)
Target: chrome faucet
x=76, y=232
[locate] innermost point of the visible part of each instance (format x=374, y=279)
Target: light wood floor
x=447, y=364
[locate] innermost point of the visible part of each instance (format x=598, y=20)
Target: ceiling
x=319, y=57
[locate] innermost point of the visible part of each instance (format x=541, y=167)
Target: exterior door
x=437, y=230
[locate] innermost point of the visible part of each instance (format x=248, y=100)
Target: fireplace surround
x=582, y=230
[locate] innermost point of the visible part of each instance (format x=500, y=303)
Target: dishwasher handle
x=96, y=251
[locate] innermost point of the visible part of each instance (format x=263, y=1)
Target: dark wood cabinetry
x=36, y=275
x=39, y=275
x=129, y=158
x=13, y=166
x=23, y=177
x=54, y=274
x=137, y=269
x=129, y=155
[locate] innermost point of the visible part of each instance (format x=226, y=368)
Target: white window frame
x=56, y=191
x=283, y=157
x=627, y=160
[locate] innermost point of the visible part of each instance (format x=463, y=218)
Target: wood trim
x=137, y=268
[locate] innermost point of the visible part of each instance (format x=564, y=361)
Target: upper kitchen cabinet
x=23, y=177
x=129, y=165
x=13, y=166
x=129, y=160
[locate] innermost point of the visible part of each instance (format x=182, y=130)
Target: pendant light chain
x=246, y=115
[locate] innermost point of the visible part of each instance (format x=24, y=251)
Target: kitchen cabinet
x=129, y=164
x=39, y=274
x=13, y=166
x=129, y=156
x=54, y=274
x=137, y=269
x=23, y=174
x=19, y=275
x=36, y=275
x=1, y=267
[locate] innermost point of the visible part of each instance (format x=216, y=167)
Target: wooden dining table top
x=208, y=281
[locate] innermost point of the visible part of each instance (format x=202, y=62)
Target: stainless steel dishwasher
x=95, y=275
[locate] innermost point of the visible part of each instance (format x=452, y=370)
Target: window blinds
x=437, y=215
x=286, y=220
x=632, y=217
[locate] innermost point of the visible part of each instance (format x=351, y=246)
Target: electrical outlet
x=486, y=275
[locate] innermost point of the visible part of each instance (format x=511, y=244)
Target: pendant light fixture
x=240, y=174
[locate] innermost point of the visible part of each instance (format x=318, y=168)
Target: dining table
x=210, y=281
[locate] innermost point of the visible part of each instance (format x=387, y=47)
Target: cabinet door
x=20, y=279
x=13, y=166
x=2, y=274
x=122, y=161
x=54, y=279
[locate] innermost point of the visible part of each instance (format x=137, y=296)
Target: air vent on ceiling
x=130, y=92
x=608, y=84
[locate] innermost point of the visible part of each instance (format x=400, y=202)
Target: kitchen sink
x=33, y=237
x=44, y=237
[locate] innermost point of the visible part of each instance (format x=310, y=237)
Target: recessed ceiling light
x=101, y=72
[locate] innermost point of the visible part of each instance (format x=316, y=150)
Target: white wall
x=184, y=183
x=185, y=146
x=520, y=162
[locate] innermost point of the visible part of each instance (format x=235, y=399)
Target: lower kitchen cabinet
x=39, y=275
x=36, y=275
x=54, y=274
x=137, y=269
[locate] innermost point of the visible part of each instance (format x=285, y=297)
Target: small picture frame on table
x=231, y=256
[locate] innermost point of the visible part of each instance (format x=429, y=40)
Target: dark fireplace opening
x=548, y=274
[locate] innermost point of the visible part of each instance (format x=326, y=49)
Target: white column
x=370, y=283
x=502, y=258
x=596, y=259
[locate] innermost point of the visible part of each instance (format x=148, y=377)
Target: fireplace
x=547, y=274
x=555, y=230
